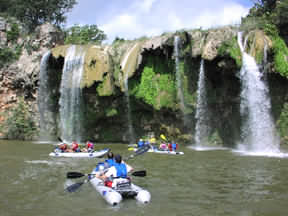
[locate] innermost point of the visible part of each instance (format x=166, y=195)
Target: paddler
x=119, y=170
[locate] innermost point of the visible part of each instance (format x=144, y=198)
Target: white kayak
x=94, y=154
x=115, y=195
x=159, y=151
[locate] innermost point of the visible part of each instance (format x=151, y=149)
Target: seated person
x=89, y=147
x=117, y=172
x=163, y=146
x=170, y=146
x=102, y=166
x=62, y=147
x=174, y=146
x=140, y=143
x=74, y=147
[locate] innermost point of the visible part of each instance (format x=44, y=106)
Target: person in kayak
x=110, y=160
x=89, y=147
x=119, y=170
x=174, y=146
x=62, y=147
x=103, y=166
x=140, y=143
x=74, y=147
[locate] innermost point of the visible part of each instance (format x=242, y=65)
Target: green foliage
x=111, y=112
x=8, y=55
x=232, y=49
x=118, y=40
x=34, y=13
x=281, y=13
x=14, y=33
x=280, y=56
x=282, y=123
x=18, y=122
x=271, y=29
x=157, y=85
x=148, y=89
x=87, y=34
x=5, y=5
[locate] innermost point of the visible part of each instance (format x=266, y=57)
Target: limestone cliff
x=149, y=66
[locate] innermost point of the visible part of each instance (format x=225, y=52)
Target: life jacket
x=90, y=145
x=121, y=170
x=75, y=146
x=174, y=146
x=140, y=144
x=170, y=147
x=100, y=166
x=63, y=147
x=110, y=162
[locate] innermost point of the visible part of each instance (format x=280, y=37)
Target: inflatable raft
x=94, y=154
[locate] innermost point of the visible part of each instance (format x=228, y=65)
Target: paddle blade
x=142, y=150
x=74, y=187
x=75, y=175
x=140, y=173
x=60, y=139
x=163, y=137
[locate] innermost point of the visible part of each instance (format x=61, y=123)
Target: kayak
x=94, y=154
x=117, y=193
x=159, y=151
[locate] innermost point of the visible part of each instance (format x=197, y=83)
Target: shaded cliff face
x=150, y=67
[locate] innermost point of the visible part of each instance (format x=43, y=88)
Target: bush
x=84, y=35
x=8, y=55
x=14, y=33
x=280, y=56
x=18, y=123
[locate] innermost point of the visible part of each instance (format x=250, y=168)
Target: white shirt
x=112, y=171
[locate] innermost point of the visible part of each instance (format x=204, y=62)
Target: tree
x=84, y=35
x=282, y=13
x=18, y=123
x=34, y=13
x=5, y=5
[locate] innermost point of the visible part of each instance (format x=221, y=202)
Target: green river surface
x=198, y=183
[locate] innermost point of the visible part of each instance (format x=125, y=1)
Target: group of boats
x=123, y=189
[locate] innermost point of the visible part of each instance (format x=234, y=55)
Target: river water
x=198, y=183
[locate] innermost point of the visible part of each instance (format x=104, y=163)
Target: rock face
x=21, y=77
x=214, y=40
x=149, y=67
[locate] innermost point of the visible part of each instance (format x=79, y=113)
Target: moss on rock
x=231, y=48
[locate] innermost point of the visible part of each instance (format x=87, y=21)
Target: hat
x=118, y=158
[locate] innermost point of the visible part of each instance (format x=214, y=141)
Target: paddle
x=163, y=137
x=75, y=186
x=72, y=175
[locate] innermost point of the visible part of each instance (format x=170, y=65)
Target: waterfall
x=179, y=76
x=43, y=95
x=130, y=126
x=258, y=130
x=127, y=68
x=202, y=128
x=71, y=96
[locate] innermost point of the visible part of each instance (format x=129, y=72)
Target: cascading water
x=202, y=128
x=258, y=131
x=43, y=95
x=179, y=77
x=71, y=95
x=126, y=67
x=130, y=126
